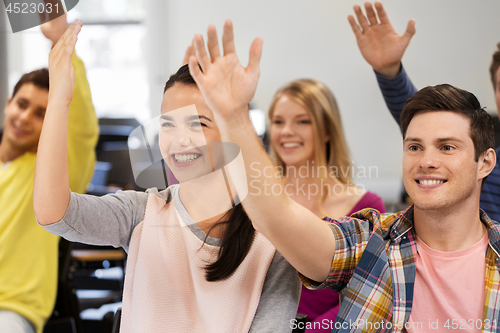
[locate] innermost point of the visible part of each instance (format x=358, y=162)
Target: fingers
x=195, y=70
x=355, y=28
x=66, y=43
x=410, y=31
x=213, y=43
x=189, y=53
x=255, y=55
x=382, y=15
x=201, y=52
x=228, y=38
x=370, y=13
x=363, y=22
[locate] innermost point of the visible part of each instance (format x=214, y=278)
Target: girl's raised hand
x=225, y=84
x=61, y=73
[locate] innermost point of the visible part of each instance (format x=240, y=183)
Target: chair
x=66, y=315
x=300, y=320
x=116, y=321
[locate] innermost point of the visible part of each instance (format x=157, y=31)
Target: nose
x=430, y=159
x=182, y=137
x=287, y=129
x=25, y=116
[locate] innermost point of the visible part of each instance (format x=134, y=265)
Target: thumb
x=410, y=31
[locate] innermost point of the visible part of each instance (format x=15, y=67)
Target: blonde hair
x=322, y=107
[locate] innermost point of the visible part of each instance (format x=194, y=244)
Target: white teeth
x=428, y=182
x=290, y=145
x=184, y=158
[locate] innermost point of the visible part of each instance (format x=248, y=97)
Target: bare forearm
x=299, y=235
x=51, y=189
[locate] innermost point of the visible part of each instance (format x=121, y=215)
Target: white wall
x=454, y=43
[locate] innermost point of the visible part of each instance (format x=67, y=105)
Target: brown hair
x=495, y=63
x=39, y=78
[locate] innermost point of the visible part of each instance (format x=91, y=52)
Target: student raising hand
x=377, y=40
x=50, y=191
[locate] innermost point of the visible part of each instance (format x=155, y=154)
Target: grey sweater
x=111, y=219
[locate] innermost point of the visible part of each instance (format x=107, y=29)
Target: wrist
x=389, y=72
x=58, y=103
x=240, y=118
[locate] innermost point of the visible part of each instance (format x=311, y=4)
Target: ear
x=486, y=163
x=326, y=139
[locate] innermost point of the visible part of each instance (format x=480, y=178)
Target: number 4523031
x=32, y=8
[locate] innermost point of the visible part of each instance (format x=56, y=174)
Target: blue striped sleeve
x=396, y=91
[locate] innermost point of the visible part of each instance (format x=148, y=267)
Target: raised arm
x=302, y=238
x=383, y=49
x=83, y=130
x=51, y=188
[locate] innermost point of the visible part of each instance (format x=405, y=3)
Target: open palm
x=225, y=84
x=378, y=42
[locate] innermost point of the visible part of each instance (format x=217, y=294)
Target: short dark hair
x=39, y=78
x=495, y=63
x=445, y=97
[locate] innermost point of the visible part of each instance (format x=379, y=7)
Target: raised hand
x=54, y=29
x=225, y=84
x=377, y=40
x=188, y=54
x=61, y=72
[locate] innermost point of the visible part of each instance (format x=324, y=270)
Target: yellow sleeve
x=83, y=131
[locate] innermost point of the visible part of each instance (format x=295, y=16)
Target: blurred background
x=130, y=47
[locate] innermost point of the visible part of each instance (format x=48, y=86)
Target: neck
x=451, y=228
x=7, y=152
x=206, y=200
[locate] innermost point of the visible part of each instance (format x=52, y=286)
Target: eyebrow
x=447, y=139
x=298, y=116
x=412, y=140
x=189, y=118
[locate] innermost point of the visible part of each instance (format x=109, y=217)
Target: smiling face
x=24, y=114
x=187, y=126
x=439, y=167
x=292, y=134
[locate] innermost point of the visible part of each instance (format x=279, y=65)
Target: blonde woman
x=309, y=148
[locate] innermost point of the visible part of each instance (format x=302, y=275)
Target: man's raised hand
x=377, y=40
x=54, y=29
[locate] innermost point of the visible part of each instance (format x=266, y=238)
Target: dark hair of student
x=495, y=63
x=39, y=77
x=445, y=97
x=238, y=232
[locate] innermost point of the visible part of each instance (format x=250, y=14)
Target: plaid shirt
x=374, y=270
